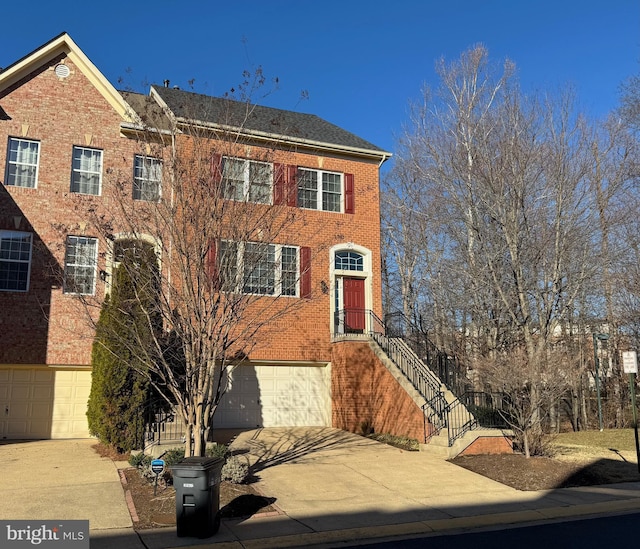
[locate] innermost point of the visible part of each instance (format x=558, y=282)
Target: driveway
x=61, y=480
x=327, y=479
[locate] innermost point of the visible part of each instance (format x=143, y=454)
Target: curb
x=427, y=528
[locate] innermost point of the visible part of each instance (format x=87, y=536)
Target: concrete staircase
x=455, y=418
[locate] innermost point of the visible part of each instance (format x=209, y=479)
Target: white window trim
x=246, y=182
x=320, y=191
x=18, y=163
x=99, y=173
x=152, y=159
x=94, y=266
x=277, y=288
x=9, y=234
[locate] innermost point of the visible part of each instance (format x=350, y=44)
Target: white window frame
x=147, y=176
x=320, y=190
x=236, y=270
x=247, y=193
x=82, y=172
x=13, y=255
x=22, y=163
x=84, y=266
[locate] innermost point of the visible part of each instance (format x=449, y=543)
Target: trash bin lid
x=199, y=463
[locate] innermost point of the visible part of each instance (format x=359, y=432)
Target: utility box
x=197, y=484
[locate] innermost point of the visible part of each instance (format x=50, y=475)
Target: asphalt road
x=603, y=532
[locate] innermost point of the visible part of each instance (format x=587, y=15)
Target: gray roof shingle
x=255, y=118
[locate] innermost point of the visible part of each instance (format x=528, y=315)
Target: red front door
x=353, y=303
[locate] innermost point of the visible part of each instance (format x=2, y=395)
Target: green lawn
x=615, y=439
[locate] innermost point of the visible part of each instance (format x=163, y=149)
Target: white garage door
x=43, y=403
x=276, y=396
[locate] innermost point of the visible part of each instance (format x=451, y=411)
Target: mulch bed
x=154, y=511
x=543, y=473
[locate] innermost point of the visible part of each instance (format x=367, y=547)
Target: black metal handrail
x=164, y=427
x=438, y=413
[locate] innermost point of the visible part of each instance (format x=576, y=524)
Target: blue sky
x=361, y=61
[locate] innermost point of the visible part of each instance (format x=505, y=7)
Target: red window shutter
x=285, y=188
x=305, y=272
x=292, y=186
x=278, y=184
x=349, y=194
x=216, y=167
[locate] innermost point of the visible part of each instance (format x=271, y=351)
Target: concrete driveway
x=327, y=478
x=61, y=480
x=331, y=487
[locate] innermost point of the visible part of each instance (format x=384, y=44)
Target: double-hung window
x=247, y=180
x=319, y=190
x=147, y=178
x=15, y=260
x=258, y=268
x=22, y=163
x=86, y=173
x=80, y=265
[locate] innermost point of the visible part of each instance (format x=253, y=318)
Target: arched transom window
x=349, y=261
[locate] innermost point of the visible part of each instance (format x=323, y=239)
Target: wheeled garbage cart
x=197, y=484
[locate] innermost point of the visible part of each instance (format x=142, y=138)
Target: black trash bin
x=197, y=484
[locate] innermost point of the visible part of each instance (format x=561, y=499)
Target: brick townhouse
x=65, y=131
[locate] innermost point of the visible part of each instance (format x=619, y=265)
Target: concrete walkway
x=330, y=488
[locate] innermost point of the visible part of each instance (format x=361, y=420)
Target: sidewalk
x=333, y=488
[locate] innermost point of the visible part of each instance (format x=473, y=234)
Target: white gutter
x=139, y=128
x=266, y=136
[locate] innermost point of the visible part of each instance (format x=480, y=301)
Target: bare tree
x=224, y=278
x=507, y=176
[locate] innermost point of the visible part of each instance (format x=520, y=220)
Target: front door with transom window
x=351, y=278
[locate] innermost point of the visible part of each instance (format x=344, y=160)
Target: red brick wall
x=45, y=326
x=489, y=445
x=363, y=390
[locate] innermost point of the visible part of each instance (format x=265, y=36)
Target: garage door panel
x=17, y=428
x=19, y=392
x=41, y=393
x=276, y=396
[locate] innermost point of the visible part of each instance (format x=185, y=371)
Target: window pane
x=228, y=265
x=86, y=171
x=308, y=189
x=22, y=165
x=349, y=261
x=331, y=192
x=259, y=269
x=289, y=271
x=15, y=260
x=233, y=178
x=147, y=178
x=260, y=178
x=80, y=265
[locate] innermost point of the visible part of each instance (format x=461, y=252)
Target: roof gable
x=63, y=44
